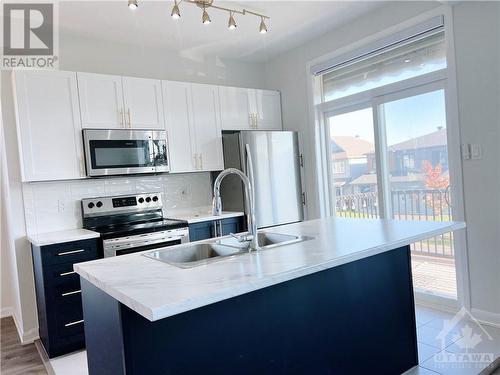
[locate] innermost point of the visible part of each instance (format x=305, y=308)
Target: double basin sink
x=198, y=254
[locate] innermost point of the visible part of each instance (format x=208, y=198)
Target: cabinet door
x=235, y=108
x=231, y=225
x=268, y=109
x=201, y=231
x=143, y=103
x=177, y=108
x=48, y=125
x=101, y=101
x=206, y=125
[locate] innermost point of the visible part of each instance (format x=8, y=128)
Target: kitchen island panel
x=342, y=320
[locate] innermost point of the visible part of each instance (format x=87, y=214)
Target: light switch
x=466, y=152
x=476, y=151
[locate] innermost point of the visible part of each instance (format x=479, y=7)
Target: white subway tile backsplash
x=53, y=206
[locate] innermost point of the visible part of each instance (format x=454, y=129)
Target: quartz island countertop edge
x=157, y=290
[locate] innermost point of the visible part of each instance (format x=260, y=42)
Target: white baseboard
x=6, y=312
x=486, y=317
x=25, y=337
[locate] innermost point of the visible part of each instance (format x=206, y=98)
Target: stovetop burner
x=119, y=216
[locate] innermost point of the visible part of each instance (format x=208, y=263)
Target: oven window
x=120, y=154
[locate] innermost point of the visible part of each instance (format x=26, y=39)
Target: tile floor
x=430, y=348
x=466, y=349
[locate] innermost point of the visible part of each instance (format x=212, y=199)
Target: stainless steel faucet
x=249, y=196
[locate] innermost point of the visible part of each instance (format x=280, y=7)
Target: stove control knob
x=91, y=205
x=155, y=199
x=148, y=199
x=141, y=200
x=99, y=204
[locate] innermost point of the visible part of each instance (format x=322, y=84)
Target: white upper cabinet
x=249, y=109
x=109, y=102
x=268, y=109
x=180, y=132
x=193, y=125
x=235, y=108
x=101, y=101
x=143, y=103
x=207, y=129
x=48, y=125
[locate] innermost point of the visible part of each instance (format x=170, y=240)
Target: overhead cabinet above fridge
x=250, y=109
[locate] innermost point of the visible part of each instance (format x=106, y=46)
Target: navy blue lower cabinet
x=357, y=318
x=58, y=294
x=213, y=228
x=201, y=231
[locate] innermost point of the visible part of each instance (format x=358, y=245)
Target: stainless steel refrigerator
x=276, y=170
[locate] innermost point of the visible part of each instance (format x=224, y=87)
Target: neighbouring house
x=349, y=161
x=406, y=162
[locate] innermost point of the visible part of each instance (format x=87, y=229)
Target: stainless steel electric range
x=132, y=223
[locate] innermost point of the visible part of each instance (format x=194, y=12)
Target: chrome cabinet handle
x=122, y=118
x=71, y=293
x=128, y=115
x=67, y=273
x=71, y=252
x=73, y=323
x=201, y=161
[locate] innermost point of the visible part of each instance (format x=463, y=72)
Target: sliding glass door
x=389, y=158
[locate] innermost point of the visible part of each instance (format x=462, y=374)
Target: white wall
x=477, y=49
x=476, y=26
x=83, y=54
x=90, y=55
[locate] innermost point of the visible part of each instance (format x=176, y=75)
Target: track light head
x=262, y=27
x=176, y=13
x=231, y=25
x=132, y=4
x=205, y=18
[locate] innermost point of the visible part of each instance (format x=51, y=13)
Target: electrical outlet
x=61, y=206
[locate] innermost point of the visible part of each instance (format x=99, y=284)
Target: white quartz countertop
x=198, y=215
x=158, y=290
x=51, y=238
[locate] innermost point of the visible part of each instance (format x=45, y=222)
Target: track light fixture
x=176, y=13
x=231, y=25
x=262, y=27
x=132, y=4
x=205, y=18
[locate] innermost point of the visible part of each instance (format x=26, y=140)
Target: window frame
x=374, y=99
x=319, y=203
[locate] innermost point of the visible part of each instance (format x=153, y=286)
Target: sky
x=405, y=119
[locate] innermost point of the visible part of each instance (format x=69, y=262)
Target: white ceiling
x=292, y=24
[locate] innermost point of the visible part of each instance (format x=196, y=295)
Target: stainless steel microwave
x=122, y=151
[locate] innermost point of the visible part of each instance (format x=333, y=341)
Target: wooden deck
x=434, y=275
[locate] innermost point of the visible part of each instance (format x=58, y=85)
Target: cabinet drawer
x=60, y=274
x=66, y=293
x=69, y=319
x=69, y=252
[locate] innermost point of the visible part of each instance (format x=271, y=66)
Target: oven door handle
x=113, y=247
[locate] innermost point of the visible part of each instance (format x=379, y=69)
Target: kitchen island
x=341, y=302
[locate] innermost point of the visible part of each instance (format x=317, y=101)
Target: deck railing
x=422, y=204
